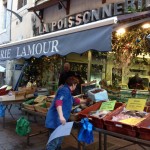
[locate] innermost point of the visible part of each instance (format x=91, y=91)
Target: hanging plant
x=126, y=47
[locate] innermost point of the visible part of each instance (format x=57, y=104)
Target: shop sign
x=61, y=45
x=33, y=49
x=106, y=11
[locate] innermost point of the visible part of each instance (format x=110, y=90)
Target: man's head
x=72, y=82
x=136, y=75
x=66, y=67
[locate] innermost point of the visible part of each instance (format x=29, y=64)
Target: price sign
x=132, y=121
x=108, y=105
x=136, y=104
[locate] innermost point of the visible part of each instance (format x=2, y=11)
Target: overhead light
x=121, y=31
x=145, y=26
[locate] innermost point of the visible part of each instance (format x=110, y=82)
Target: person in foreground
x=60, y=110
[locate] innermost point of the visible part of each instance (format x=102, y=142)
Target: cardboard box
x=7, y=97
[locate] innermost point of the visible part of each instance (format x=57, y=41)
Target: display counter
x=8, y=101
x=124, y=94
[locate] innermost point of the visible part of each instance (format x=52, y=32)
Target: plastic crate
x=144, y=129
x=97, y=122
x=120, y=127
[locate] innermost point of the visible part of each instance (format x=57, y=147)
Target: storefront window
x=44, y=71
x=21, y=3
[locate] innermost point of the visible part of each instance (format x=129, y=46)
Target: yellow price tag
x=132, y=121
x=136, y=104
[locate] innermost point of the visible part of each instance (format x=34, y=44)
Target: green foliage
x=126, y=47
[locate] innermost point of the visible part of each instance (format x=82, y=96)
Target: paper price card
x=136, y=104
x=108, y=105
x=132, y=121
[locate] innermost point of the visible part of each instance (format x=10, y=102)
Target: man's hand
x=85, y=101
x=62, y=120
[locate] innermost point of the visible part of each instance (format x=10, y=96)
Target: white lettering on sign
x=5, y=53
x=31, y=49
x=45, y=51
x=38, y=49
x=54, y=46
x=105, y=11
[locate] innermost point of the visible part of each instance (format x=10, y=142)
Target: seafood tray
x=96, y=121
x=121, y=127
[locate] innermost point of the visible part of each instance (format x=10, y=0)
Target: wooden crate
x=40, y=98
x=30, y=105
x=29, y=93
x=41, y=109
x=19, y=95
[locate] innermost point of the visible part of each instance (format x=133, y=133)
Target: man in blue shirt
x=60, y=109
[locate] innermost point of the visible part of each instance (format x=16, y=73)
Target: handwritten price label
x=136, y=104
x=108, y=105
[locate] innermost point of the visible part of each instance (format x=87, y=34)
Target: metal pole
x=100, y=141
x=17, y=15
x=106, y=66
x=89, y=65
x=105, y=141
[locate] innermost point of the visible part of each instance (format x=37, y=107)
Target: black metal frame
x=135, y=140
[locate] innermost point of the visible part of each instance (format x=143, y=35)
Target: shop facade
x=5, y=36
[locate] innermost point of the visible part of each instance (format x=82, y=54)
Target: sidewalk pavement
x=9, y=140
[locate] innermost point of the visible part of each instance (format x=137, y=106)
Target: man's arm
x=60, y=113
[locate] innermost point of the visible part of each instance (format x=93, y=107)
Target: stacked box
x=97, y=95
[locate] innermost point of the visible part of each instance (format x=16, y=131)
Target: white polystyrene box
x=99, y=96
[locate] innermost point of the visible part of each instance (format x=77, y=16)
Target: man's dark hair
x=72, y=80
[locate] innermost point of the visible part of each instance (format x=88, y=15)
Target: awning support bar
x=103, y=1
x=38, y=16
x=67, y=7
